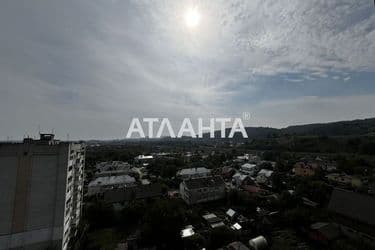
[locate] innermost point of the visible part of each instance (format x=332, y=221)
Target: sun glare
x=192, y=17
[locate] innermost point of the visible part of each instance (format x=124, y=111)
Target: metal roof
x=187, y=232
x=265, y=172
x=248, y=166
x=236, y=226
x=112, y=180
x=191, y=171
x=204, y=182
x=353, y=205
x=230, y=212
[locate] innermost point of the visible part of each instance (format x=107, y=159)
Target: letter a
x=238, y=127
x=135, y=127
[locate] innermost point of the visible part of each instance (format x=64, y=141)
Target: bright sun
x=192, y=17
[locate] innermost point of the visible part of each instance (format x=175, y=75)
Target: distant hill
x=342, y=128
x=355, y=127
x=252, y=132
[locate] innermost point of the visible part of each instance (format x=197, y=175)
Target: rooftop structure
x=213, y=220
x=136, y=192
x=187, y=231
x=144, y=157
x=189, y=173
x=264, y=176
x=230, y=213
x=258, y=243
x=206, y=182
x=114, y=173
x=112, y=180
x=248, y=168
x=236, y=226
x=267, y=173
x=101, y=183
x=112, y=166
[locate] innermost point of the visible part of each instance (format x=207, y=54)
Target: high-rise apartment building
x=41, y=184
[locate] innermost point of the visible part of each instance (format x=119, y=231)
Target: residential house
x=202, y=189
x=305, y=169
x=263, y=176
x=240, y=179
x=344, y=180
x=213, y=221
x=143, y=160
x=136, y=192
x=248, y=168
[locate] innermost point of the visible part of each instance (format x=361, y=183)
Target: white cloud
x=294, y=80
x=87, y=67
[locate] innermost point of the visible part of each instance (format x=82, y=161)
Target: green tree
x=162, y=224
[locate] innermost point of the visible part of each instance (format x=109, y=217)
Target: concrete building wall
x=34, y=182
x=42, y=200
x=199, y=195
x=209, y=194
x=8, y=173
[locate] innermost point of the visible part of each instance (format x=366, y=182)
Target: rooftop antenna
x=67, y=136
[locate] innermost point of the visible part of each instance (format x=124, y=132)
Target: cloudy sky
x=86, y=67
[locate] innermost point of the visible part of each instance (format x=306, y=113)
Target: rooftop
x=353, y=205
x=230, y=212
x=265, y=172
x=236, y=226
x=144, y=157
x=212, y=218
x=133, y=192
x=191, y=171
x=212, y=181
x=248, y=166
x=187, y=232
x=112, y=180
